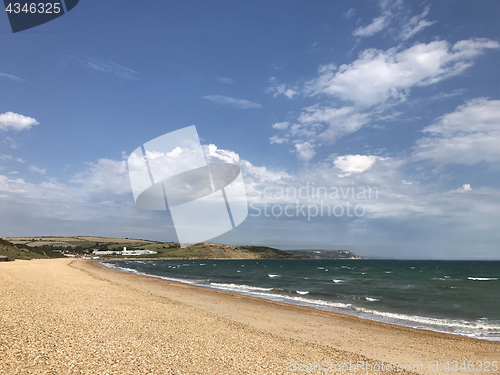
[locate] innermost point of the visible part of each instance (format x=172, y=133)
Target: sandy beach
x=77, y=317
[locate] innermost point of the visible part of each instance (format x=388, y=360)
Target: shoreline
x=340, y=331
x=432, y=324
x=78, y=317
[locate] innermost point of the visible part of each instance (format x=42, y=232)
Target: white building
x=125, y=252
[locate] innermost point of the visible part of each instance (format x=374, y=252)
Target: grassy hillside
x=70, y=242
x=204, y=250
x=207, y=250
x=21, y=251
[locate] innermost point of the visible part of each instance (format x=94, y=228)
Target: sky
x=371, y=126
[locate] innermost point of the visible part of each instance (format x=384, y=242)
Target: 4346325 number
x=46, y=8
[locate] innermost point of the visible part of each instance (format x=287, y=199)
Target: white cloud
x=378, y=24
x=305, y=152
x=276, y=89
x=80, y=201
x=227, y=80
x=108, y=67
x=377, y=76
x=280, y=125
x=15, y=121
x=35, y=169
x=278, y=140
x=416, y=24
x=10, y=76
x=105, y=175
x=468, y=135
x=11, y=158
x=388, y=7
x=340, y=121
x=350, y=164
x=350, y=13
x=465, y=187
x=237, y=103
x=253, y=174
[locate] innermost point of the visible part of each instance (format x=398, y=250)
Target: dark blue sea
x=459, y=297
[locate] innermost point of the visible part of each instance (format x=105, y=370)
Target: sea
x=458, y=297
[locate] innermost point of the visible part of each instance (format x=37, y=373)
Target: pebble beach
x=76, y=317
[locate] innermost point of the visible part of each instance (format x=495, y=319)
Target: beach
x=76, y=317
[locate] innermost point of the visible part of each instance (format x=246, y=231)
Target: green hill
x=44, y=247
x=21, y=251
x=207, y=250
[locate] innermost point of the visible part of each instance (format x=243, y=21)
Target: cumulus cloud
x=234, y=102
x=377, y=75
x=305, y=152
x=465, y=187
x=280, y=125
x=15, y=121
x=468, y=135
x=319, y=125
x=374, y=82
x=80, y=200
x=350, y=164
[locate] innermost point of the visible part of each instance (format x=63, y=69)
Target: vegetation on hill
x=207, y=250
x=86, y=244
x=22, y=251
x=52, y=247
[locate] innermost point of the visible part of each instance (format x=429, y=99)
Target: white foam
x=240, y=287
x=271, y=275
x=483, y=278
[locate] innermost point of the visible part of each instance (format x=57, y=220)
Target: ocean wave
x=337, y=281
x=241, y=287
x=483, y=278
x=272, y=275
x=446, y=325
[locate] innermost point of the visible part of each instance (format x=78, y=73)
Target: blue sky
x=402, y=97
